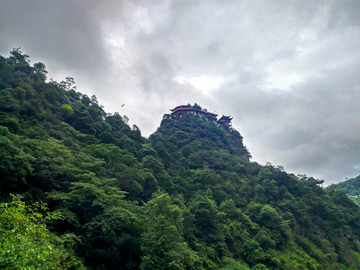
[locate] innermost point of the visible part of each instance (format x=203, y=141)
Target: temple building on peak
x=225, y=120
x=197, y=110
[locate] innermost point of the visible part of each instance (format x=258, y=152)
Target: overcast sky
x=287, y=71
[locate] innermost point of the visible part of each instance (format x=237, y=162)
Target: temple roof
x=225, y=118
x=182, y=107
x=212, y=114
x=189, y=108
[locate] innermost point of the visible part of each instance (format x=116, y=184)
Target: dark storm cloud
x=288, y=71
x=59, y=31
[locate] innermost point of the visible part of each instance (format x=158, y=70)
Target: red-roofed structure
x=225, y=120
x=196, y=110
x=182, y=109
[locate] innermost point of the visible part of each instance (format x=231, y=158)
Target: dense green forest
x=80, y=189
x=351, y=187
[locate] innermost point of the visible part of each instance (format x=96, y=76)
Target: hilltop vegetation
x=186, y=198
x=351, y=187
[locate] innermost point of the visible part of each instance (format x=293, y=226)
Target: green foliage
x=15, y=162
x=25, y=242
x=67, y=110
x=252, y=252
x=12, y=124
x=231, y=264
x=351, y=186
x=102, y=218
x=260, y=266
x=186, y=198
x=163, y=245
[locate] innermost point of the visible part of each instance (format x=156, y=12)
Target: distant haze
x=287, y=71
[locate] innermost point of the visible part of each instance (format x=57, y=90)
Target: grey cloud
x=59, y=32
x=131, y=51
x=314, y=129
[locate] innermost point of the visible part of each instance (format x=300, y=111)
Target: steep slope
x=267, y=215
x=59, y=146
x=351, y=187
x=186, y=198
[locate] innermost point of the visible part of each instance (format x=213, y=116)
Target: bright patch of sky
x=282, y=80
x=205, y=83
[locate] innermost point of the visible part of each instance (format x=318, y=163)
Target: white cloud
x=205, y=83
x=278, y=79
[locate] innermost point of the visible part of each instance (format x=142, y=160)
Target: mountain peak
x=195, y=109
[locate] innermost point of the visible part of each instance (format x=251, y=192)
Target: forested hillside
x=188, y=197
x=350, y=186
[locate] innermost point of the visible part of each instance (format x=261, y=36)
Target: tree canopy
x=187, y=197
